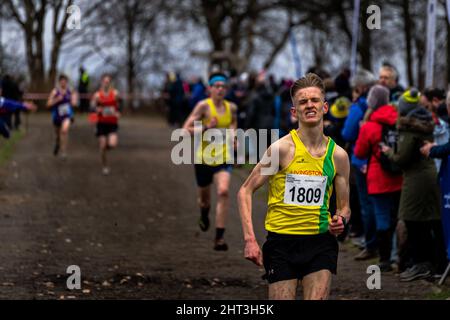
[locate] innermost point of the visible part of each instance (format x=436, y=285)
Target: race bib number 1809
x=304, y=190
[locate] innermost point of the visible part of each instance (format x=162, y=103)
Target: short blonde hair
x=309, y=80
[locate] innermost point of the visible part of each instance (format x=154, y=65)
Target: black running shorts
x=103, y=129
x=288, y=257
x=204, y=174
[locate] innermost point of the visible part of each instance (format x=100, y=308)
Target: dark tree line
x=131, y=35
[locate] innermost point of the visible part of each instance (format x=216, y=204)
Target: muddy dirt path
x=134, y=233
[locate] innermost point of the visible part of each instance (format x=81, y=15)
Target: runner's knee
x=204, y=203
x=64, y=130
x=112, y=144
x=223, y=193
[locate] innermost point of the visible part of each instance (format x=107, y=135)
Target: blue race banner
x=445, y=191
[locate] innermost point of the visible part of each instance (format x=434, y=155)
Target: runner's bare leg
x=283, y=290
x=316, y=285
x=222, y=180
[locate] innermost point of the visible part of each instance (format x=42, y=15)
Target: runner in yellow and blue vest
x=301, y=243
x=211, y=159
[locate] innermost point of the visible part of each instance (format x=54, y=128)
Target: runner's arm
x=13, y=105
x=196, y=115
x=74, y=99
x=341, y=183
x=253, y=183
x=51, y=99
x=233, y=124
x=233, y=116
x=94, y=102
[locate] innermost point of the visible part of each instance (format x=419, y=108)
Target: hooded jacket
x=420, y=198
x=378, y=180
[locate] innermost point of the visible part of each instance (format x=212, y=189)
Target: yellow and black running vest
x=206, y=154
x=299, y=195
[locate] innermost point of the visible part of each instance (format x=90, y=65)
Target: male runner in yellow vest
x=214, y=112
x=301, y=246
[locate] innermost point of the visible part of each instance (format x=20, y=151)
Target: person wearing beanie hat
x=419, y=210
x=408, y=101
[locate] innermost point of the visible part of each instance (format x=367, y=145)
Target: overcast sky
x=180, y=47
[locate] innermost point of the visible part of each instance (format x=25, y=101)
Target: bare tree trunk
x=33, y=25
x=365, y=45
x=214, y=23
x=130, y=62
x=130, y=10
x=58, y=34
x=407, y=31
x=420, y=49
x=277, y=48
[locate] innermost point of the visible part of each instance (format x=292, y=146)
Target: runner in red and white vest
x=106, y=104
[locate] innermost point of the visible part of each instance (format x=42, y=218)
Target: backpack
x=389, y=136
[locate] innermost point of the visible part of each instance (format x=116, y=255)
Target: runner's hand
x=212, y=123
x=30, y=106
x=253, y=253
x=336, y=226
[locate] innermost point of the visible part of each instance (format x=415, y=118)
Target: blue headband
x=217, y=79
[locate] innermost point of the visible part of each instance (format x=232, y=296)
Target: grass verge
x=7, y=146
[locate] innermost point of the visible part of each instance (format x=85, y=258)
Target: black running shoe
x=203, y=223
x=220, y=245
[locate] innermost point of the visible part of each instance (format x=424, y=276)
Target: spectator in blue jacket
x=12, y=106
x=198, y=93
x=361, y=83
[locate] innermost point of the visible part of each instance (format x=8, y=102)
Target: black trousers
x=426, y=243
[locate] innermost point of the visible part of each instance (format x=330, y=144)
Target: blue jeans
x=386, y=210
x=367, y=211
